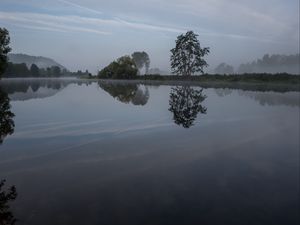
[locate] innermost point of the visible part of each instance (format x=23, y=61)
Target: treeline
x=267, y=64
x=273, y=64
x=282, y=78
x=21, y=70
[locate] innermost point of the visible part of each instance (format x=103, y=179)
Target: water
x=125, y=153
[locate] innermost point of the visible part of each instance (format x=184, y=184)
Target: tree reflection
x=36, y=88
x=7, y=124
x=126, y=93
x=185, y=104
x=6, y=216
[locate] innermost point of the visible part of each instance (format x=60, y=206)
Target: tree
x=123, y=68
x=56, y=71
x=34, y=70
x=141, y=59
x=4, y=49
x=6, y=196
x=7, y=124
x=185, y=104
x=223, y=68
x=187, y=56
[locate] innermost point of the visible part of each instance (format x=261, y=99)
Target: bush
x=122, y=68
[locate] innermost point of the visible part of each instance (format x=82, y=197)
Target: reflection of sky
x=82, y=145
x=88, y=112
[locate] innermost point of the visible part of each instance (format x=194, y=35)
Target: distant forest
x=21, y=70
x=267, y=64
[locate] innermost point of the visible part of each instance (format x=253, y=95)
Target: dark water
x=125, y=153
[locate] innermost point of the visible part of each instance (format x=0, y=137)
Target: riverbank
x=260, y=82
x=253, y=78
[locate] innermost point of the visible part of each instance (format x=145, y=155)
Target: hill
x=40, y=61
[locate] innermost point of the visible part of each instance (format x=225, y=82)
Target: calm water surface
x=125, y=153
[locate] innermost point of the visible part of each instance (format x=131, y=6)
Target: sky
x=89, y=34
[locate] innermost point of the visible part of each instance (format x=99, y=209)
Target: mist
x=90, y=34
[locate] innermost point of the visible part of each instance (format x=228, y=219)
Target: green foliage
x=21, y=70
x=187, y=56
x=16, y=70
x=141, y=60
x=4, y=49
x=280, y=78
x=123, y=68
x=56, y=71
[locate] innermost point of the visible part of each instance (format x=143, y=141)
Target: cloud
x=240, y=18
x=76, y=23
x=47, y=22
x=80, y=7
x=149, y=26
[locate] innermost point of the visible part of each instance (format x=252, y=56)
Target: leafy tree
x=6, y=117
x=185, y=104
x=141, y=60
x=16, y=70
x=187, y=56
x=123, y=68
x=6, y=216
x=4, y=49
x=56, y=71
x=34, y=70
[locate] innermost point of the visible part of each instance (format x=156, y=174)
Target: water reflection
x=272, y=98
x=222, y=92
x=25, y=89
x=129, y=165
x=126, y=92
x=6, y=216
x=185, y=104
x=7, y=124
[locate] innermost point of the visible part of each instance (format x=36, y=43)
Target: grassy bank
x=244, y=78
x=254, y=82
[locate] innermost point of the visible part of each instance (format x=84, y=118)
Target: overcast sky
x=89, y=34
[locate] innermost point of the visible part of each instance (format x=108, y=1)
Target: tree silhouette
x=141, y=59
x=6, y=216
x=187, y=56
x=4, y=49
x=185, y=104
x=34, y=70
x=223, y=68
x=6, y=117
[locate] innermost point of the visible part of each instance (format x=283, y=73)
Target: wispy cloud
x=48, y=22
x=80, y=7
x=148, y=26
x=77, y=23
x=72, y=23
